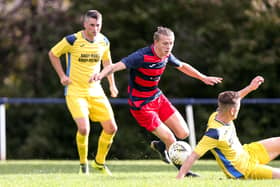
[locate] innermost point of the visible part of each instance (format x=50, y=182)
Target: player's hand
x=95, y=77
x=65, y=80
x=180, y=176
x=114, y=91
x=256, y=82
x=209, y=80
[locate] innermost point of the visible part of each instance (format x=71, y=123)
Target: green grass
x=140, y=173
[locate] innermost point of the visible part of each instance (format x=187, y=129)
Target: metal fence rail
x=176, y=101
x=188, y=102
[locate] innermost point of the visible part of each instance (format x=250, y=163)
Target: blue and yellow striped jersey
x=83, y=58
x=223, y=142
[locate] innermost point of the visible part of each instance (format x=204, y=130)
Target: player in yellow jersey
x=84, y=52
x=237, y=161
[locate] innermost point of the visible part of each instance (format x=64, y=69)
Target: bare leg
x=109, y=126
x=83, y=125
x=276, y=173
x=272, y=146
x=178, y=125
x=165, y=134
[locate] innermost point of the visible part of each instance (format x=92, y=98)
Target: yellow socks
x=82, y=144
x=104, y=144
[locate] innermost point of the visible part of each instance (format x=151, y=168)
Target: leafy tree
x=233, y=39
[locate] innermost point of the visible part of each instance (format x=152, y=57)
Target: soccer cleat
x=155, y=145
x=84, y=169
x=192, y=174
x=101, y=168
x=189, y=174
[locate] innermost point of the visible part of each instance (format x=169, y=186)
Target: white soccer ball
x=179, y=151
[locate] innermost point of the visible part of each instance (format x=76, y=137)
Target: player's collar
x=84, y=37
x=221, y=122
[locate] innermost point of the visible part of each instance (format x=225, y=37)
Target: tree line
x=236, y=40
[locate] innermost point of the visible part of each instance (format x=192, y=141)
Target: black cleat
x=192, y=174
x=159, y=147
x=189, y=174
x=84, y=169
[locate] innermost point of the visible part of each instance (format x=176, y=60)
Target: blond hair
x=163, y=31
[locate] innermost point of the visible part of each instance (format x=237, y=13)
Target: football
x=179, y=152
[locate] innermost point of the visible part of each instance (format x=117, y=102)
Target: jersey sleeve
x=133, y=61
x=61, y=48
x=107, y=52
x=173, y=61
x=208, y=141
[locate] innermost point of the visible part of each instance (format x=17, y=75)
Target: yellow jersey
x=223, y=142
x=83, y=58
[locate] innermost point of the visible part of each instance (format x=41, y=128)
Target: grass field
x=139, y=173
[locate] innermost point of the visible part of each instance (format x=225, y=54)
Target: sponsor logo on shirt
x=152, y=65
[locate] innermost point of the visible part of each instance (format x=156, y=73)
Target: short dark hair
x=164, y=31
x=93, y=14
x=228, y=98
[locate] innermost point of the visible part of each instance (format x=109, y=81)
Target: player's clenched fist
x=256, y=82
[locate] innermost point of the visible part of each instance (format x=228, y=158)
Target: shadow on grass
x=45, y=167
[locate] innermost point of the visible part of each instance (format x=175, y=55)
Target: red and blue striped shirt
x=146, y=69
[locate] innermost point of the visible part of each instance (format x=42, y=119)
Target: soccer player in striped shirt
x=84, y=52
x=149, y=106
x=248, y=161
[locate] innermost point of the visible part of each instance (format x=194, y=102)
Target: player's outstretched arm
x=185, y=168
x=255, y=83
x=192, y=72
x=107, y=71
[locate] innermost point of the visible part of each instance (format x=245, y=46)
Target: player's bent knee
x=114, y=129
x=110, y=129
x=182, y=134
x=83, y=131
x=109, y=126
